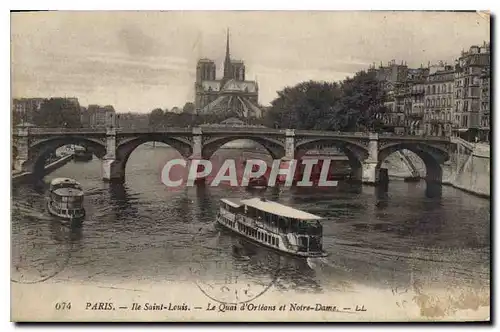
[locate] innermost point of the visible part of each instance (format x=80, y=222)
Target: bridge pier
x=22, y=148
x=112, y=168
x=288, y=161
x=370, y=173
x=197, y=154
x=112, y=171
x=370, y=169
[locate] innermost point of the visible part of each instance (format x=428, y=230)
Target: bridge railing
x=246, y=130
x=155, y=130
x=414, y=137
x=461, y=141
x=250, y=130
x=42, y=130
x=332, y=133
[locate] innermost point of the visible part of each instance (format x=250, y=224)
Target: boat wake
x=321, y=263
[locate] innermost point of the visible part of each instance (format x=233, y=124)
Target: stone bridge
x=366, y=151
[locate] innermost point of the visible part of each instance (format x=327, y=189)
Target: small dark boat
x=65, y=200
x=82, y=154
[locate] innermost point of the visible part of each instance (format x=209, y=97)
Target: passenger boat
x=65, y=200
x=82, y=154
x=274, y=225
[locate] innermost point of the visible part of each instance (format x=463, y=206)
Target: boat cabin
x=58, y=183
x=303, y=229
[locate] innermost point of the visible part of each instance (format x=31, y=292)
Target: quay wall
x=472, y=175
x=25, y=176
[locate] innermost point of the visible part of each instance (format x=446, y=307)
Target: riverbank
x=25, y=176
x=473, y=177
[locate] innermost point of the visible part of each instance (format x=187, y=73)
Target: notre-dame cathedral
x=231, y=94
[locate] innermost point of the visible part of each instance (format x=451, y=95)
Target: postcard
x=250, y=166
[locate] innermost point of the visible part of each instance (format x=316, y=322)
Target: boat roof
x=57, y=181
x=68, y=192
x=272, y=208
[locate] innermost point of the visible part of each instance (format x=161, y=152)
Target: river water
x=142, y=231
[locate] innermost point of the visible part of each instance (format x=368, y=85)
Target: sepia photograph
x=250, y=166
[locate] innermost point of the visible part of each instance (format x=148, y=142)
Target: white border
x=187, y=5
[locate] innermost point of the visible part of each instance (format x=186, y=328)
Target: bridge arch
x=125, y=148
x=274, y=147
x=356, y=153
x=431, y=156
x=40, y=151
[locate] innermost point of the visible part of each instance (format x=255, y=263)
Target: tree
x=188, y=107
x=351, y=105
x=156, y=118
x=362, y=100
x=58, y=113
x=302, y=106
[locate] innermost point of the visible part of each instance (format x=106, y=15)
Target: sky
x=138, y=61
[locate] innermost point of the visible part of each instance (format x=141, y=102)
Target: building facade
x=96, y=116
x=415, y=100
x=485, y=98
x=439, y=91
x=24, y=108
x=393, y=80
x=232, y=93
x=469, y=73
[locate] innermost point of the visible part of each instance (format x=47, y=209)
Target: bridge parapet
x=41, y=130
x=331, y=133
x=415, y=138
x=247, y=130
x=166, y=130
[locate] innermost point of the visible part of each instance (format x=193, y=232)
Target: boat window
x=314, y=228
x=303, y=243
x=277, y=242
x=315, y=243
x=302, y=227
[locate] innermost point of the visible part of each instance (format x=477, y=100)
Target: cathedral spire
x=227, y=61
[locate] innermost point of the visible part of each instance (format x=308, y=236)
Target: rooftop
x=272, y=208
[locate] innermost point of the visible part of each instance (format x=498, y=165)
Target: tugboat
x=65, y=200
x=274, y=225
x=82, y=154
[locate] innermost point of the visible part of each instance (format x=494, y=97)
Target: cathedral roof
x=232, y=103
